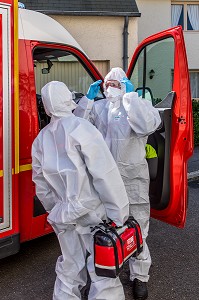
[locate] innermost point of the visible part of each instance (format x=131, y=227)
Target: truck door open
x=159, y=73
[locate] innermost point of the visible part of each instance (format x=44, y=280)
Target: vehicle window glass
x=152, y=75
x=60, y=65
x=51, y=64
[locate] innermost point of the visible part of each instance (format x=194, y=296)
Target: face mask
x=113, y=92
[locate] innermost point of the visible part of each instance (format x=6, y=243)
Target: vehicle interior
x=56, y=64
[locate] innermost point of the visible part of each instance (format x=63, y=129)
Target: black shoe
x=140, y=291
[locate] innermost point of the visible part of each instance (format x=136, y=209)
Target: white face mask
x=113, y=92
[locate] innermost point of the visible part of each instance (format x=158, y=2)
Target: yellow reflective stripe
x=23, y=168
x=16, y=87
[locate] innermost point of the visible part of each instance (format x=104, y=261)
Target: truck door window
x=56, y=64
x=152, y=77
x=153, y=72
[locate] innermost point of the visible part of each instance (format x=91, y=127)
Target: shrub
x=195, y=105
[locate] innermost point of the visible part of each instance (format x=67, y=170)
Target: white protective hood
x=115, y=74
x=57, y=99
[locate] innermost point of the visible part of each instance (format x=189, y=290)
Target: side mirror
x=47, y=70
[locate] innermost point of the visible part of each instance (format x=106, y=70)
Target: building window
x=186, y=15
x=194, y=81
x=177, y=15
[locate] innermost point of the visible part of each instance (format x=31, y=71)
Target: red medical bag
x=113, y=246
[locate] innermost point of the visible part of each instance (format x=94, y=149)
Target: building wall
x=192, y=48
x=155, y=17
x=101, y=37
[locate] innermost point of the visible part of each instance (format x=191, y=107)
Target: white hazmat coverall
x=125, y=121
x=79, y=184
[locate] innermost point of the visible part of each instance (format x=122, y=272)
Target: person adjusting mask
x=125, y=121
x=79, y=185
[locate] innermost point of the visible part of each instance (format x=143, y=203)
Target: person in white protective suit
x=125, y=121
x=79, y=184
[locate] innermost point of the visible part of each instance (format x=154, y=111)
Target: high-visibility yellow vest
x=150, y=151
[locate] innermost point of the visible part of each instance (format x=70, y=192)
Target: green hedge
x=195, y=105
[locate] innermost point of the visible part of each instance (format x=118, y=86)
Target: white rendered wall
x=155, y=17
x=101, y=37
x=192, y=48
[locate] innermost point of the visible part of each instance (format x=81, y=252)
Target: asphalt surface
x=193, y=163
x=174, y=272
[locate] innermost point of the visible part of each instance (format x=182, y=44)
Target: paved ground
x=174, y=273
x=193, y=164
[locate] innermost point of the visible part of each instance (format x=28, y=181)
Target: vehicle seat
x=43, y=118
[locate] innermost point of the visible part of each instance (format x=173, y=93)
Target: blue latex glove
x=139, y=93
x=129, y=86
x=93, y=90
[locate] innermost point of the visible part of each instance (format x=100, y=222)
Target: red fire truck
x=35, y=49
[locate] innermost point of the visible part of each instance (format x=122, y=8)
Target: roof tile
x=86, y=7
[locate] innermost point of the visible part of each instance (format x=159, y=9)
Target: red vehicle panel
x=181, y=133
